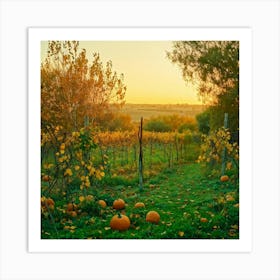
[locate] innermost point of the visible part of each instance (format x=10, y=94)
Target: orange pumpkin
x=224, y=178
x=153, y=217
x=203, y=220
x=50, y=203
x=71, y=206
x=139, y=205
x=102, y=203
x=73, y=214
x=47, y=203
x=119, y=204
x=46, y=178
x=120, y=222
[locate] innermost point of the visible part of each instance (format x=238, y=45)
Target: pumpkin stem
x=119, y=215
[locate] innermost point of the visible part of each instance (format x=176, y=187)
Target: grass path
x=190, y=206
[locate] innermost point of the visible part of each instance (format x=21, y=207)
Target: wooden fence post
x=224, y=153
x=140, y=155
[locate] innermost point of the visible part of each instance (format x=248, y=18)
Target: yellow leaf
x=81, y=198
x=234, y=227
x=181, y=233
x=68, y=171
x=229, y=197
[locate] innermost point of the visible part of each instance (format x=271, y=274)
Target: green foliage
x=187, y=127
x=203, y=121
x=213, y=146
x=72, y=168
x=107, y=198
x=170, y=123
x=118, y=122
x=214, y=66
x=157, y=126
x=89, y=206
x=190, y=207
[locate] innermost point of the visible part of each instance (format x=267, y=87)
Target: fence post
x=224, y=153
x=140, y=155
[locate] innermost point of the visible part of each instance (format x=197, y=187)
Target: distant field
x=136, y=111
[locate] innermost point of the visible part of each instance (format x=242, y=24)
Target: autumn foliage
x=90, y=158
x=73, y=88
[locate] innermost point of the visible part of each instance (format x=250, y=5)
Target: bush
x=157, y=126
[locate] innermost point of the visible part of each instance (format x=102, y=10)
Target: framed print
x=129, y=167
x=75, y=79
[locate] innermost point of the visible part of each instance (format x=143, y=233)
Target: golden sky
x=149, y=76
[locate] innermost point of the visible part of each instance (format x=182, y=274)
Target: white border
x=260, y=15
x=244, y=243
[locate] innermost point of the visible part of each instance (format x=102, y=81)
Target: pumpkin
x=120, y=222
x=46, y=178
x=224, y=178
x=71, y=206
x=119, y=204
x=47, y=203
x=102, y=203
x=50, y=203
x=73, y=214
x=139, y=205
x=203, y=220
x=153, y=217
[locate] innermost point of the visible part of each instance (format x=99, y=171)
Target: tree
x=174, y=122
x=203, y=120
x=119, y=122
x=213, y=66
x=157, y=125
x=73, y=88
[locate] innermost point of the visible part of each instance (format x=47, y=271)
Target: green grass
x=181, y=195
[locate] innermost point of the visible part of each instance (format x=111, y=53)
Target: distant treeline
x=147, y=111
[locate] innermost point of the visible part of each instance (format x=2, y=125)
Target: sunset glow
x=149, y=76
